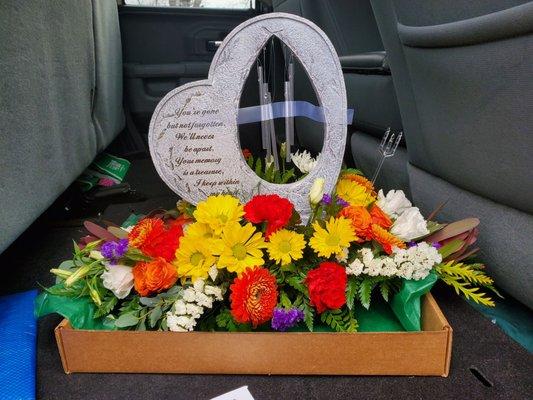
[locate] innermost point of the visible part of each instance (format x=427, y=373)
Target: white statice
x=355, y=267
x=195, y=299
x=342, y=257
x=394, y=203
x=118, y=279
x=414, y=263
x=410, y=225
x=303, y=161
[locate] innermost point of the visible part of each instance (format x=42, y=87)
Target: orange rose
x=379, y=217
x=360, y=219
x=154, y=277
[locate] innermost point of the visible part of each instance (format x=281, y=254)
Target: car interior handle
x=213, y=45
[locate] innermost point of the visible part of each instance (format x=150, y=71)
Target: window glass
x=235, y=4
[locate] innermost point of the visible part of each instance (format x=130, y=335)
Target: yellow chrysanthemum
x=353, y=193
x=199, y=231
x=240, y=247
x=194, y=257
x=360, y=180
x=285, y=246
x=218, y=211
x=334, y=239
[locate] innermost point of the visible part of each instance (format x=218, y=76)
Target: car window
x=234, y=4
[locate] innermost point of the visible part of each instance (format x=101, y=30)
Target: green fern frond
x=365, y=292
x=351, y=291
x=468, y=291
x=339, y=320
x=384, y=288
x=309, y=316
x=465, y=272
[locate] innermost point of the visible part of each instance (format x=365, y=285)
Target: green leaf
x=365, y=292
x=384, y=288
x=450, y=248
x=309, y=315
x=296, y=283
x=126, y=320
x=284, y=300
x=339, y=320
x=351, y=291
x=259, y=167
x=106, y=307
x=287, y=175
x=225, y=321
x=155, y=315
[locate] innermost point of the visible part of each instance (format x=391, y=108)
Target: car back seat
x=60, y=101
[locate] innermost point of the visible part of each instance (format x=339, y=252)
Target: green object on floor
x=104, y=166
x=406, y=303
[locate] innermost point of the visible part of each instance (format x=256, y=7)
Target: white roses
x=118, y=279
x=317, y=191
x=409, y=223
x=394, y=203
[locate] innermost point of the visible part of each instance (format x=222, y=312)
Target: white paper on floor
x=241, y=393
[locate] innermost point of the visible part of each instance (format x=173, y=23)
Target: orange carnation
x=379, y=217
x=154, y=277
x=155, y=240
x=361, y=221
x=360, y=180
x=254, y=295
x=386, y=239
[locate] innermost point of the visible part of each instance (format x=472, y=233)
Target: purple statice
x=113, y=251
x=437, y=245
x=341, y=202
x=326, y=199
x=411, y=244
x=284, y=319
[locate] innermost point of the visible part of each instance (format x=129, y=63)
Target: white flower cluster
x=414, y=263
x=408, y=223
x=186, y=311
x=303, y=161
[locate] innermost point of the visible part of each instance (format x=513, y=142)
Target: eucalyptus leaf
x=126, y=320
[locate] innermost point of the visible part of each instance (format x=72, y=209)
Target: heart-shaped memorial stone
x=193, y=134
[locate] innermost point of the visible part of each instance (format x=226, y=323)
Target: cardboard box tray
x=300, y=353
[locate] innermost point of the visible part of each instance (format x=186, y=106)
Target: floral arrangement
x=224, y=265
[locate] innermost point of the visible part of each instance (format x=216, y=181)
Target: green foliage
x=225, y=321
x=385, y=290
x=340, y=320
x=351, y=291
x=309, y=315
x=365, y=291
x=466, y=279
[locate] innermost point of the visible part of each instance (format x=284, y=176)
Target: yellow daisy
x=353, y=193
x=218, y=211
x=332, y=240
x=240, y=247
x=284, y=246
x=199, y=231
x=194, y=257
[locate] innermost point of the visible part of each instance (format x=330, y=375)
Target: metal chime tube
x=289, y=98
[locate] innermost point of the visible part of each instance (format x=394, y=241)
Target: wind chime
x=268, y=132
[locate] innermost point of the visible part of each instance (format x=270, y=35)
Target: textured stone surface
x=210, y=161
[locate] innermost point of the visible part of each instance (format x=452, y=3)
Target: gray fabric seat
x=462, y=73
x=351, y=27
x=60, y=103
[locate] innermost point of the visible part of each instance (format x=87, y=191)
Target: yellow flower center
x=196, y=258
x=223, y=218
x=333, y=240
x=239, y=251
x=284, y=247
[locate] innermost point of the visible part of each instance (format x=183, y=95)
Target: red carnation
x=327, y=286
x=154, y=239
x=272, y=209
x=254, y=295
